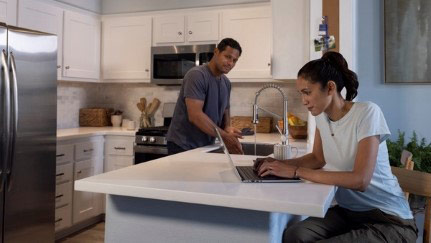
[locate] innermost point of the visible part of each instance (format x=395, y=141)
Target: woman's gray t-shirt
x=200, y=84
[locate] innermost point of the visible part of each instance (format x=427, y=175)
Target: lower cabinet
x=81, y=158
x=77, y=159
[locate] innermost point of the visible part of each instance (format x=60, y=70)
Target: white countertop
x=71, y=133
x=206, y=178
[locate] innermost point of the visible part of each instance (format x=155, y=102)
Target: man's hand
x=235, y=131
x=232, y=143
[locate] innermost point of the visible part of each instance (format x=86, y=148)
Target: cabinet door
x=251, y=27
x=84, y=203
x=203, y=27
x=115, y=162
x=168, y=29
x=8, y=11
x=127, y=48
x=81, y=46
x=43, y=17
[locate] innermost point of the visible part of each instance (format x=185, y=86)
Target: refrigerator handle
x=14, y=120
x=6, y=122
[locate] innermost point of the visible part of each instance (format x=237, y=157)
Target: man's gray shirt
x=200, y=84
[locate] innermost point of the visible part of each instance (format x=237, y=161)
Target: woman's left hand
x=277, y=168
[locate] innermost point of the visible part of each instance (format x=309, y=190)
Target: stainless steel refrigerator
x=28, y=135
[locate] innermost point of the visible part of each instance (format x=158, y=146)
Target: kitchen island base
x=131, y=219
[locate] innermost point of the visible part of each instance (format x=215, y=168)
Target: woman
x=350, y=137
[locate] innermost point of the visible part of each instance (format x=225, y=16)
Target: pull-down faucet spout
x=256, y=109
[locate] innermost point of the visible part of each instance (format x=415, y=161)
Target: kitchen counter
x=80, y=132
x=189, y=187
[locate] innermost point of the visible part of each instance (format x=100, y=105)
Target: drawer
x=64, y=173
x=119, y=145
x=115, y=162
x=86, y=150
x=63, y=194
x=63, y=217
x=64, y=153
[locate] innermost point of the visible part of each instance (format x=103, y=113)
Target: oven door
x=144, y=153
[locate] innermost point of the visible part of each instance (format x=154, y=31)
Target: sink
x=262, y=149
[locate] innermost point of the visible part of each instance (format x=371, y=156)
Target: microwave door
x=205, y=57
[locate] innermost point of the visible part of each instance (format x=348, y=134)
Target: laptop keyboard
x=247, y=173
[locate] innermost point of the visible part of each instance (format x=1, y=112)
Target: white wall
x=130, y=6
x=90, y=5
x=405, y=106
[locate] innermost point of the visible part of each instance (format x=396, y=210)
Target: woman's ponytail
x=332, y=66
x=349, y=78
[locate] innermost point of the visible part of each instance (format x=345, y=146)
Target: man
x=204, y=102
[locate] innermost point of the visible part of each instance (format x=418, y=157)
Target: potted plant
x=421, y=157
x=116, y=118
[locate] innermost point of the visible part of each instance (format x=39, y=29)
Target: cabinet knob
x=180, y=33
x=67, y=67
x=269, y=64
x=58, y=66
x=190, y=32
x=146, y=70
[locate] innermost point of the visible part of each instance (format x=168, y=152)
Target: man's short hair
x=229, y=42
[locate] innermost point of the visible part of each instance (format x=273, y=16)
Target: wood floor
x=92, y=234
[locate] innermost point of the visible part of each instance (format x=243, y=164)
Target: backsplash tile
x=72, y=96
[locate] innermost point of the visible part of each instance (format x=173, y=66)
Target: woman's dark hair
x=332, y=66
x=229, y=42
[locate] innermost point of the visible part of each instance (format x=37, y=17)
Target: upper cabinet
x=186, y=29
x=291, y=39
x=46, y=18
x=203, y=27
x=8, y=11
x=126, y=48
x=81, y=50
x=252, y=28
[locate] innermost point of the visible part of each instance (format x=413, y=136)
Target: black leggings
x=343, y=225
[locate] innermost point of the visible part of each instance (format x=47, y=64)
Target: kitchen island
x=195, y=197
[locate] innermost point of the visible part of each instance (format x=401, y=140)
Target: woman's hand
x=277, y=168
x=259, y=161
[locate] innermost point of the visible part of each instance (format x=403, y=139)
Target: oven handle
x=150, y=149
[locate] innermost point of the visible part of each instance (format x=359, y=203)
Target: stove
x=150, y=142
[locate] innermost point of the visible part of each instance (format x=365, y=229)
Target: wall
x=73, y=96
x=90, y=5
x=406, y=107
x=130, y=6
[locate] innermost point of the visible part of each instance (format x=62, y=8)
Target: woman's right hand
x=259, y=161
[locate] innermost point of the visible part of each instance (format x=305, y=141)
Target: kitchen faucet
x=256, y=109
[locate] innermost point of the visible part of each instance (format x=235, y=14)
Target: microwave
x=169, y=64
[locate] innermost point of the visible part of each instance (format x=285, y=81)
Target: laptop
x=247, y=174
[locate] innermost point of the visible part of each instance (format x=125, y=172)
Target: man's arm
x=198, y=118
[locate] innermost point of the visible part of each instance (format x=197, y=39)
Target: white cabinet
x=126, y=48
x=88, y=162
x=43, y=17
x=63, y=189
x=291, y=40
x=118, y=152
x=81, y=49
x=8, y=11
x=251, y=27
x=200, y=27
x=203, y=27
x=168, y=29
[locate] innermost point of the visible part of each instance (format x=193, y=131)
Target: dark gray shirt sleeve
x=195, y=86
